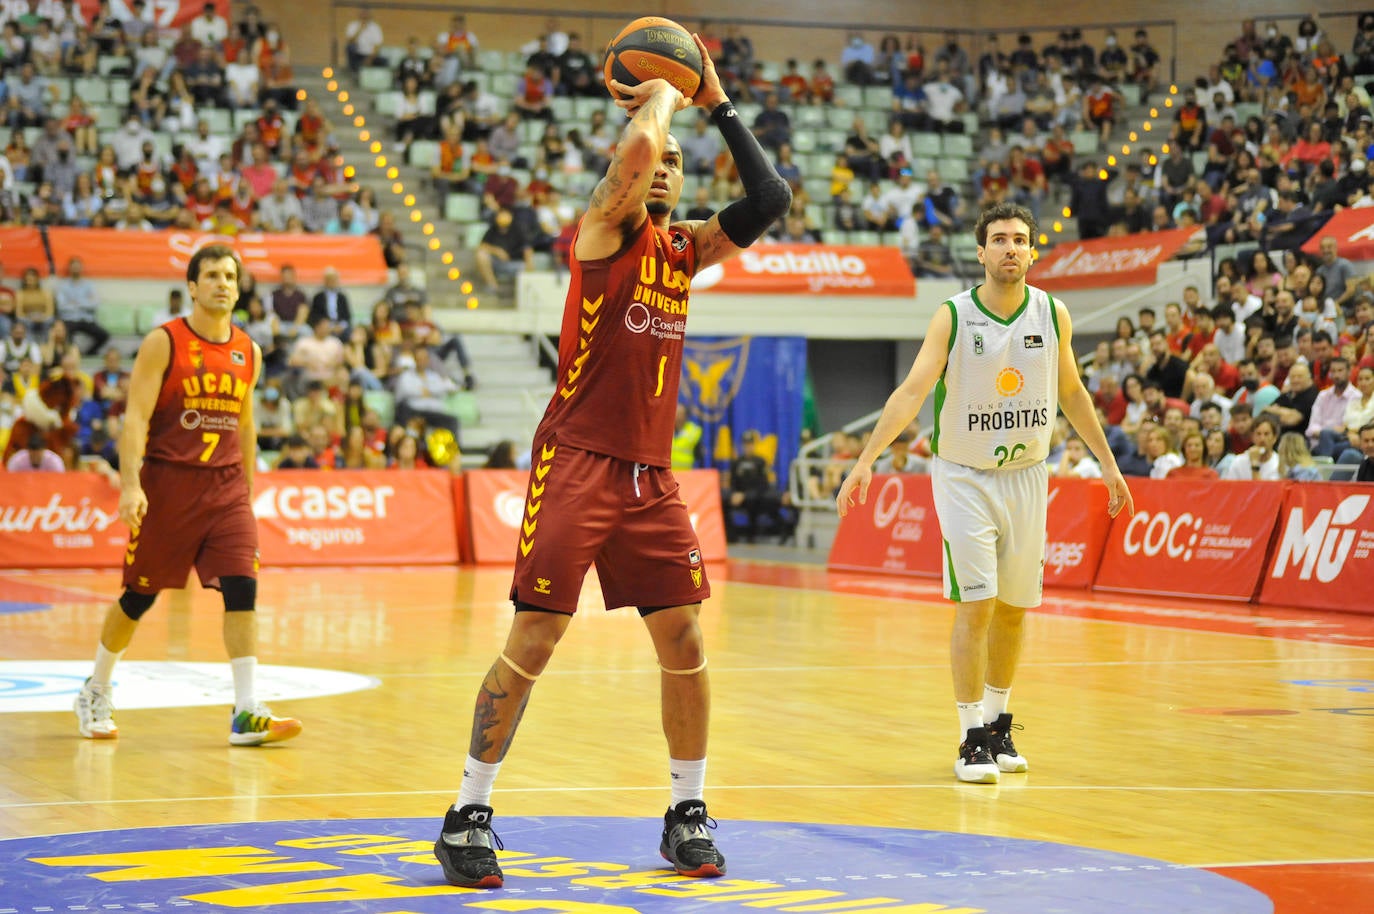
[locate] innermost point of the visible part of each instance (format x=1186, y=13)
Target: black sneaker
x=467, y=848
x=976, y=764
x=686, y=844
x=1001, y=747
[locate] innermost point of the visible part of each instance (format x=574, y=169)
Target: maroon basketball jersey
x=196, y=420
x=620, y=351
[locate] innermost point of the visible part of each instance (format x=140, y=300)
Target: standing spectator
x=318, y=356
x=458, y=46
x=210, y=28
x=77, y=304
x=364, y=37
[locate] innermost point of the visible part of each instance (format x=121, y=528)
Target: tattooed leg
x=506, y=689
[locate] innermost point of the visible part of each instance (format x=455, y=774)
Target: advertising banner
x=164, y=254
x=809, y=269
x=1353, y=230
x=895, y=532
x=1077, y=525
x=1324, y=555
x=356, y=517
x=496, y=509
x=166, y=14
x=1192, y=538
x=21, y=248
x=1130, y=260
x=60, y=520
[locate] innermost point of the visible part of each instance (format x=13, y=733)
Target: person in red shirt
x=1190, y=124
x=822, y=84
x=534, y=90
x=794, y=84
x=271, y=128
x=1099, y=108
x=602, y=489
x=1310, y=150
x=186, y=491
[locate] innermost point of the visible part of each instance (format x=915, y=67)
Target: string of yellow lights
x=398, y=188
x=1133, y=136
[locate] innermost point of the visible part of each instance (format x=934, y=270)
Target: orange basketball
x=652, y=47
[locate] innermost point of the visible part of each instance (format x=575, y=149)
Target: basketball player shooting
x=602, y=489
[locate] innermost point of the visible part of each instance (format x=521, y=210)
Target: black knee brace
x=240, y=593
x=135, y=604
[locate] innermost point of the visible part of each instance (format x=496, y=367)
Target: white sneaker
x=975, y=764
x=95, y=712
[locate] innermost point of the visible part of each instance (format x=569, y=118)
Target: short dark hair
x=1340, y=359
x=212, y=252
x=1221, y=311
x=1209, y=406
x=1321, y=336
x=1144, y=311
x=1000, y=211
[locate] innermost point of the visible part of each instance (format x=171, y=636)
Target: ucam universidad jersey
x=996, y=401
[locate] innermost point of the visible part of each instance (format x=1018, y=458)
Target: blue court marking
x=24, y=687
x=593, y=866
x=8, y=607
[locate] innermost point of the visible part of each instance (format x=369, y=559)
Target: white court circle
x=50, y=685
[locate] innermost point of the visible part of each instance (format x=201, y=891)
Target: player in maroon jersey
x=186, y=471
x=601, y=489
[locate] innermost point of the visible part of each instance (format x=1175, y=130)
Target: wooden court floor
x=1204, y=734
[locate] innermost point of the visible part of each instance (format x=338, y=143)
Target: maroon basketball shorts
x=198, y=517
x=583, y=507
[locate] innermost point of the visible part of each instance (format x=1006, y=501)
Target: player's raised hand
x=632, y=98
x=709, y=94
x=859, y=478
x=133, y=505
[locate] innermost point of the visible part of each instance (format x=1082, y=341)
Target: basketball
x=652, y=47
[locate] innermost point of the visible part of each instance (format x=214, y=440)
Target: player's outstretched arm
x=767, y=197
x=145, y=383
x=902, y=407
x=1077, y=405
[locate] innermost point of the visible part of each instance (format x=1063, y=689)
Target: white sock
x=105, y=660
x=688, y=779
x=994, y=702
x=970, y=716
x=245, y=669
x=477, y=780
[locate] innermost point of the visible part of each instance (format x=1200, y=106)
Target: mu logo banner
x=731, y=385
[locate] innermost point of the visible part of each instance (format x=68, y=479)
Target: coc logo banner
x=1324, y=557
x=1192, y=538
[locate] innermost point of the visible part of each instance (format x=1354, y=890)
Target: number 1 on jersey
x=211, y=440
x=662, y=361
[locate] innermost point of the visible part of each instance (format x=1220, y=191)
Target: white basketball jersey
x=996, y=401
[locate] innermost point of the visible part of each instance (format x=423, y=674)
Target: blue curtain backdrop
x=731, y=385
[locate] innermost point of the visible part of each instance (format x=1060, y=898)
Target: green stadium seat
x=107, y=65
x=583, y=108
x=878, y=97
x=91, y=91
x=1130, y=92
x=120, y=320
x=119, y=92
x=386, y=103
x=474, y=233
x=808, y=116
x=1085, y=142
x=463, y=405
x=833, y=237
x=926, y=144
x=953, y=170
x=868, y=238
x=957, y=144
x=503, y=85
x=491, y=61
x=107, y=117
x=562, y=108
x=376, y=79
x=424, y=154
x=383, y=403
x=803, y=140
x=849, y=96
x=243, y=116
x=461, y=208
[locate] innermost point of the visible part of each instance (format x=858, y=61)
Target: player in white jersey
x=999, y=358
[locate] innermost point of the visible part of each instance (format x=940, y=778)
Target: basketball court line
x=445, y=792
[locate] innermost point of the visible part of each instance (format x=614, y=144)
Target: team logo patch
x=541, y=585
x=696, y=577
x=1035, y=341
x=1010, y=382
x=679, y=243
x=978, y=344
x=694, y=557
x=237, y=358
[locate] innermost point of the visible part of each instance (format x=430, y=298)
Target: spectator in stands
x=942, y=203
x=458, y=46
x=1088, y=201
x=857, y=61
x=504, y=251
x=29, y=97
x=934, y=259
x=945, y=102
x=772, y=126
x=1076, y=462
x=863, y=153
x=275, y=210
x=1295, y=460
x=700, y=147
x=1194, y=454
x=331, y=303
x=1258, y=461
x=296, y=455
x=319, y=355
x=242, y=83
x=205, y=80
x=36, y=456
x=1160, y=451
x=1165, y=368
x=421, y=390
x=364, y=41
x=393, y=243
x=77, y=304
x=289, y=304
x=751, y=494
x=34, y=304
x=272, y=412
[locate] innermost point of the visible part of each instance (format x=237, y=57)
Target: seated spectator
x=1295, y=460
x=331, y=303
x=34, y=305
x=36, y=456
x=751, y=491
x=1194, y=464
x=414, y=116
x=1366, y=471
x=1076, y=461
x=504, y=251
x=205, y=80
x=1160, y=451
x=272, y=412
x=421, y=390
x=451, y=173
x=1259, y=461
x=317, y=408
x=77, y=302
x=296, y=454
x=772, y=126
x=534, y=95
x=317, y=356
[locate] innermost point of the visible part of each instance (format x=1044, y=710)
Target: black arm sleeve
x=767, y=197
